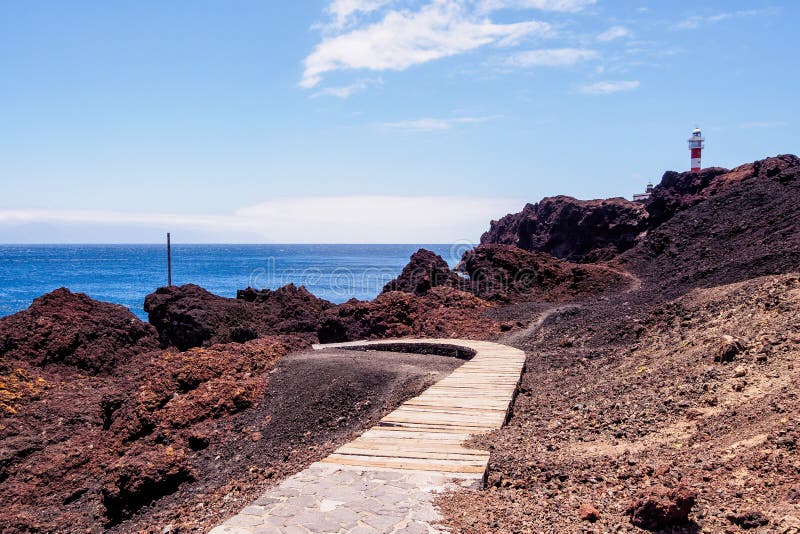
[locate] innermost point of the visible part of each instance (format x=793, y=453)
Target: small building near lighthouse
x=642, y=197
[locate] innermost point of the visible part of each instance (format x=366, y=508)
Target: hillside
x=676, y=397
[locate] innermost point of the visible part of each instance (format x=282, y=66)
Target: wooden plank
x=427, y=432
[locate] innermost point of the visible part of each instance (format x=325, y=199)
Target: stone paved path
x=385, y=480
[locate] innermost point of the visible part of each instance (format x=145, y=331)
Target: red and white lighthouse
x=696, y=147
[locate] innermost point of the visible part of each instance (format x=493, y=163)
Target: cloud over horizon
x=332, y=219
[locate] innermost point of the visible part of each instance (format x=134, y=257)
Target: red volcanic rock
x=189, y=316
x=587, y=512
x=571, y=229
x=442, y=312
x=73, y=329
x=679, y=191
x=424, y=271
x=287, y=309
x=508, y=273
x=87, y=450
x=141, y=477
x=661, y=507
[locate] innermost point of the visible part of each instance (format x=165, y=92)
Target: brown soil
x=621, y=397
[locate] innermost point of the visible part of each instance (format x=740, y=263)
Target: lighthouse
x=696, y=147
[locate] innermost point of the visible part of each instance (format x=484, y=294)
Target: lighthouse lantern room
x=696, y=147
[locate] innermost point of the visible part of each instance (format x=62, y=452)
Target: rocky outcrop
x=679, y=191
x=742, y=224
x=506, y=273
x=87, y=451
x=571, y=229
x=424, y=271
x=189, y=316
x=288, y=309
x=442, y=312
x=73, y=329
x=660, y=507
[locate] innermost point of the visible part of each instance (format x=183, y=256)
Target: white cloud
x=567, y=6
x=552, y=57
x=343, y=12
x=762, y=124
x=430, y=125
x=404, y=38
x=615, y=32
x=695, y=21
x=608, y=87
x=340, y=219
x=346, y=91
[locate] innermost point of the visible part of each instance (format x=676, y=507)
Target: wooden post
x=169, y=262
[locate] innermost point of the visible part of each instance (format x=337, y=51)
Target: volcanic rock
x=93, y=449
x=507, y=273
x=727, y=349
x=742, y=225
x=587, y=512
x=441, y=312
x=661, y=507
x=424, y=271
x=136, y=480
x=73, y=329
x=571, y=229
x=748, y=520
x=189, y=316
x=679, y=191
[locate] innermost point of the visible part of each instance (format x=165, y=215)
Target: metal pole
x=169, y=262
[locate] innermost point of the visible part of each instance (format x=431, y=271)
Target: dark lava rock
x=727, y=349
x=141, y=477
x=748, y=520
x=661, y=507
x=507, y=273
x=571, y=229
x=679, y=191
x=742, y=225
x=442, y=312
x=189, y=316
x=424, y=271
x=73, y=329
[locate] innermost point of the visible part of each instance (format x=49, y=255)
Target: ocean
x=125, y=274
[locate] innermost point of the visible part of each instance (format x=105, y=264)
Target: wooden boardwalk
x=427, y=432
x=384, y=481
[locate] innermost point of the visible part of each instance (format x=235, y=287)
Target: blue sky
x=368, y=120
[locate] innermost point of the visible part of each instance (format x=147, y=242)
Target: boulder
x=441, y=312
x=424, y=271
x=76, y=330
x=661, y=507
x=189, y=316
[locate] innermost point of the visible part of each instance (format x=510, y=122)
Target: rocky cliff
x=572, y=229
x=505, y=273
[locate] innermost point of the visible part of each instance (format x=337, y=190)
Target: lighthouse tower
x=696, y=147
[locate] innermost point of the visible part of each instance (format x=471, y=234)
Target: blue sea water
x=125, y=274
